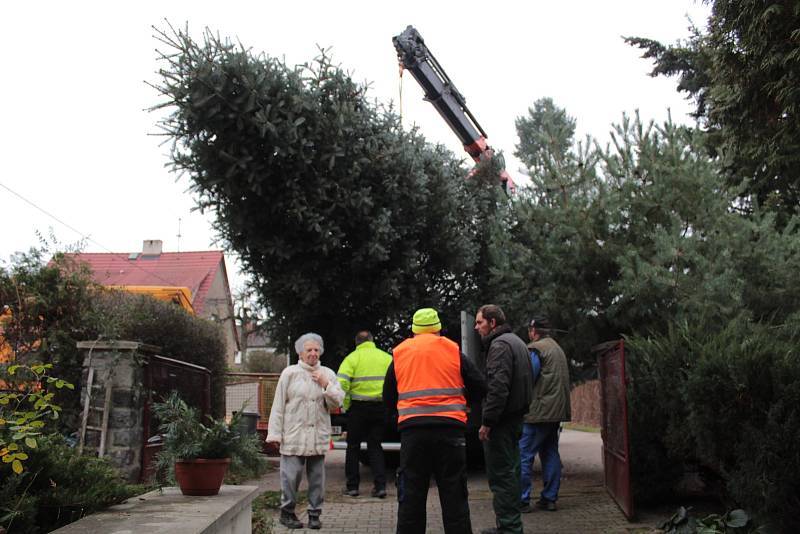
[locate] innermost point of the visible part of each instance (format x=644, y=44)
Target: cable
x=84, y=236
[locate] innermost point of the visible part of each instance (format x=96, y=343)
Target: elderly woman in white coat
x=300, y=423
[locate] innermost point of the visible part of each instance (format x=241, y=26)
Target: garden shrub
x=726, y=402
x=57, y=488
x=744, y=395
x=655, y=367
x=180, y=335
x=47, y=310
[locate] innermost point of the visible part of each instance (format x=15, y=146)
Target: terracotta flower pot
x=201, y=476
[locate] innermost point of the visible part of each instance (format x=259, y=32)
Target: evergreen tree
x=647, y=239
x=744, y=76
x=342, y=219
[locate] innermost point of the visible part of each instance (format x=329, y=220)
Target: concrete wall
x=169, y=512
x=219, y=304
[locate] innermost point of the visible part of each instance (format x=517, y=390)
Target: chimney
x=152, y=247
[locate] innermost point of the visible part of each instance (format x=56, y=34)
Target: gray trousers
x=292, y=474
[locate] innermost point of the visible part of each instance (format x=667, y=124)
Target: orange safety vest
x=429, y=382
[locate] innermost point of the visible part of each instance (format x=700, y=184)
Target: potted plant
x=198, y=453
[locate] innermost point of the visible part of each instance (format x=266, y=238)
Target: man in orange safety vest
x=430, y=383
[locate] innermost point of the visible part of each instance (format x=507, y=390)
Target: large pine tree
x=743, y=73
x=343, y=219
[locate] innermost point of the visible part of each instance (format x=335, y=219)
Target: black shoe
x=526, y=508
x=379, y=493
x=544, y=504
x=350, y=492
x=314, y=522
x=289, y=520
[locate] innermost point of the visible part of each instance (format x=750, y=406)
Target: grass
x=264, y=507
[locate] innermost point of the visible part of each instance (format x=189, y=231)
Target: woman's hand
x=320, y=378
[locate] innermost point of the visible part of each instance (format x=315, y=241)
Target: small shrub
x=733, y=522
x=25, y=409
x=186, y=437
x=57, y=488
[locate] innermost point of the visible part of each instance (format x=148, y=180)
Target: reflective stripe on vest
x=429, y=382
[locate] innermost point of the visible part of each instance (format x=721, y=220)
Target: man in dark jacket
x=509, y=379
x=549, y=407
x=429, y=383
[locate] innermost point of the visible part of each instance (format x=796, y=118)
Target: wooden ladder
x=104, y=412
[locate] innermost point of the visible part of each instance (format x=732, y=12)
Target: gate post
x=118, y=364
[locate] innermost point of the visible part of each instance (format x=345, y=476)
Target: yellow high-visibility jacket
x=362, y=372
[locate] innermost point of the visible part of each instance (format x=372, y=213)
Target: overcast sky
x=76, y=139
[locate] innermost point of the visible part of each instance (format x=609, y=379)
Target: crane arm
x=440, y=91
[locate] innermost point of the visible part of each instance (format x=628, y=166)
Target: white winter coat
x=299, y=419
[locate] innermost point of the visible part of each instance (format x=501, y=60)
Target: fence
x=585, y=401
x=251, y=393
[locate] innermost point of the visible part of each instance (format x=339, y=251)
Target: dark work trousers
x=503, y=472
x=440, y=451
x=365, y=422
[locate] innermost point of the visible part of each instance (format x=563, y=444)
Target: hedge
x=724, y=403
x=181, y=336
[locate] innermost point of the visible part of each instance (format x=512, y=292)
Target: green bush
x=180, y=335
x=187, y=437
x=725, y=402
x=659, y=440
x=50, y=311
x=57, y=488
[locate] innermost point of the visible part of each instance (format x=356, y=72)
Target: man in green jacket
x=509, y=380
x=549, y=407
x=361, y=375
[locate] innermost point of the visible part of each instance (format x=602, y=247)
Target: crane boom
x=440, y=91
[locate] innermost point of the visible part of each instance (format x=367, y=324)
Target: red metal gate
x=616, y=449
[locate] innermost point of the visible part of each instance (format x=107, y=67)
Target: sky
x=79, y=152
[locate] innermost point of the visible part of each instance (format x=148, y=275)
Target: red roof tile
x=194, y=270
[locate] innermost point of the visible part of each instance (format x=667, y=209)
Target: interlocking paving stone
x=584, y=506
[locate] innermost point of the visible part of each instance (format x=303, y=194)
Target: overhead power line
x=84, y=236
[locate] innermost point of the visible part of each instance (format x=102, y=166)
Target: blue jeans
x=541, y=438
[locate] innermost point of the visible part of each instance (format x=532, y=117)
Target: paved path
x=584, y=505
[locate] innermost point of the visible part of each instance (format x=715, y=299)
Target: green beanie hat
x=426, y=320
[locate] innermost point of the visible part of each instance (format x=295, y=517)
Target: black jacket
x=474, y=384
x=509, y=377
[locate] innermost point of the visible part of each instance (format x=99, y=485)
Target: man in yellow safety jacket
x=361, y=375
x=430, y=383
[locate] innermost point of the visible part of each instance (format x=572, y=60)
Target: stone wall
x=121, y=364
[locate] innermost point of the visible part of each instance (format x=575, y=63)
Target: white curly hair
x=311, y=336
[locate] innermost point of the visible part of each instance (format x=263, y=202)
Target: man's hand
x=483, y=433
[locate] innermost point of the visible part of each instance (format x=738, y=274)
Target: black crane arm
x=440, y=91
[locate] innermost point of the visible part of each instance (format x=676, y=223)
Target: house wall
x=218, y=303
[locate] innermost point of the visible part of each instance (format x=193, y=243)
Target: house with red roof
x=203, y=273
